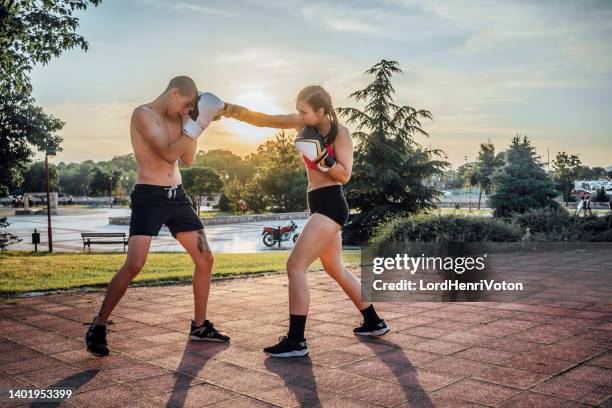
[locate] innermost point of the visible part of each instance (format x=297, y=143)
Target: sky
x=486, y=70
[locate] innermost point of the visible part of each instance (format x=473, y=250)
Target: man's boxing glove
x=311, y=144
x=207, y=107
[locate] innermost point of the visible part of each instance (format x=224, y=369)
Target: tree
x=34, y=179
x=226, y=163
x=75, y=178
x=279, y=176
x=486, y=166
x=566, y=170
x=601, y=196
x=201, y=181
x=101, y=181
x=234, y=190
x=224, y=203
x=31, y=32
x=389, y=166
x=6, y=238
x=522, y=184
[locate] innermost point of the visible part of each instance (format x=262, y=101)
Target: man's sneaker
x=374, y=329
x=206, y=332
x=287, y=347
x=95, y=338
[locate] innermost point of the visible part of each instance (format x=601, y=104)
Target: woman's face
x=308, y=116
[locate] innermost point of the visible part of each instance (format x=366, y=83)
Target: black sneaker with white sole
x=95, y=339
x=206, y=332
x=287, y=347
x=372, y=329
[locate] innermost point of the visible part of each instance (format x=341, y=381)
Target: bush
x=560, y=225
x=433, y=228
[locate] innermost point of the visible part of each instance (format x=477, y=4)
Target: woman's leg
x=319, y=232
x=331, y=258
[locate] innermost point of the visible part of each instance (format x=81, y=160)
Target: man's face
x=181, y=104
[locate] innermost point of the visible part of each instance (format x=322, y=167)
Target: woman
x=329, y=161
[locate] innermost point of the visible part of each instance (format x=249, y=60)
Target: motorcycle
x=273, y=235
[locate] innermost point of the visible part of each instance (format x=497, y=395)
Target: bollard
x=36, y=239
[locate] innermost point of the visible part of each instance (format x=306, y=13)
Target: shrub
x=560, y=225
x=434, y=228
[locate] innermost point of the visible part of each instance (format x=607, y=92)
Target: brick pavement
x=553, y=352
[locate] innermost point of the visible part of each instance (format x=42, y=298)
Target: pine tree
x=522, y=184
x=390, y=167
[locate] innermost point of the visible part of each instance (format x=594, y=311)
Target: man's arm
x=189, y=156
x=156, y=136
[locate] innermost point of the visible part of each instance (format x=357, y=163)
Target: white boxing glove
x=207, y=107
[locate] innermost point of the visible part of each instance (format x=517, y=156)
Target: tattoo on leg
x=202, y=243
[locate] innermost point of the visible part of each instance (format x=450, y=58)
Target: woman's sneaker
x=287, y=347
x=372, y=329
x=95, y=339
x=206, y=332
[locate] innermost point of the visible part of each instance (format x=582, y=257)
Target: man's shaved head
x=184, y=84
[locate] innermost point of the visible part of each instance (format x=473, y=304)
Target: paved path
x=553, y=352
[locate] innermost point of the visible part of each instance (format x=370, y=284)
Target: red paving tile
x=538, y=364
x=384, y=393
x=486, y=355
x=566, y=388
x=478, y=392
x=532, y=399
x=510, y=377
x=591, y=374
x=196, y=396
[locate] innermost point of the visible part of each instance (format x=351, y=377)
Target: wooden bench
x=103, y=238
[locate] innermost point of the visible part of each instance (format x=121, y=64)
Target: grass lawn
x=22, y=271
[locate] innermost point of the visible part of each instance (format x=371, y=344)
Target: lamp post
x=49, y=153
x=110, y=179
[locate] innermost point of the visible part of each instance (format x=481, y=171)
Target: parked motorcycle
x=274, y=235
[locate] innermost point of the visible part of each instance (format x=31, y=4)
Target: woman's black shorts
x=329, y=201
x=153, y=206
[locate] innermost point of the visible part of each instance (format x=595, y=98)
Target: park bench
x=103, y=238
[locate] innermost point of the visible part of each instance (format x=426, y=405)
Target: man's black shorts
x=153, y=206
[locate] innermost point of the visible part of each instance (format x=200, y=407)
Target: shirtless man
x=162, y=132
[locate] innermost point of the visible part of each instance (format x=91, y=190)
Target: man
x=162, y=132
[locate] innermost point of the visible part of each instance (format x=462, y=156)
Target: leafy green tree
x=31, y=32
x=280, y=175
x=389, y=166
x=6, y=238
x=488, y=162
x=74, y=178
x=234, y=189
x=226, y=163
x=522, y=184
x=601, y=196
x=101, y=182
x=566, y=170
x=34, y=180
x=224, y=203
x=201, y=181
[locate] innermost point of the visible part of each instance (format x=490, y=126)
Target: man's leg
x=138, y=249
x=197, y=247
x=95, y=338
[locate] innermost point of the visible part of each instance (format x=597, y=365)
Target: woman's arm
x=343, y=149
x=291, y=121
